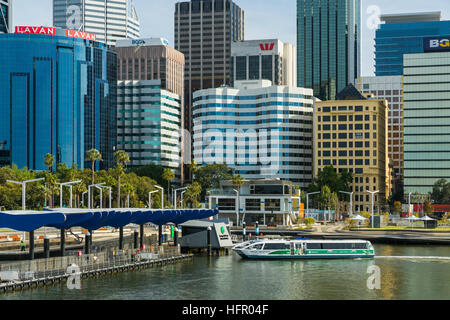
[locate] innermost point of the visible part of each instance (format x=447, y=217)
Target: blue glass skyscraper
x=59, y=96
x=5, y=16
x=403, y=34
x=328, y=45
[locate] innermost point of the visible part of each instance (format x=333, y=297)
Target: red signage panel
x=80, y=35
x=36, y=30
x=266, y=46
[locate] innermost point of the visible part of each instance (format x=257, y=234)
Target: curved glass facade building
x=58, y=96
x=259, y=130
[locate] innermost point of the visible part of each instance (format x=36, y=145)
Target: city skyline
x=28, y=12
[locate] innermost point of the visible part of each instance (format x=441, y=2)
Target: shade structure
x=93, y=219
x=27, y=221
x=427, y=218
x=412, y=218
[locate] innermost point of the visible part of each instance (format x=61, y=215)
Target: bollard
x=175, y=238
x=121, y=238
x=142, y=236
x=209, y=241
x=257, y=229
x=91, y=233
x=63, y=242
x=31, y=237
x=87, y=244
x=243, y=231
x=160, y=235
x=136, y=235
x=46, y=248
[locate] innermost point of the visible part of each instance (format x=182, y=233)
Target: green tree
x=192, y=194
x=93, y=156
x=428, y=208
x=121, y=158
x=210, y=176
x=168, y=175
x=398, y=207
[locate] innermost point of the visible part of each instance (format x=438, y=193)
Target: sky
x=264, y=19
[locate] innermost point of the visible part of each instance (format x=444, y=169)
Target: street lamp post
x=409, y=205
x=110, y=199
x=175, y=196
x=61, y=185
x=373, y=195
x=150, y=198
x=101, y=196
x=89, y=192
x=182, y=193
x=24, y=190
x=351, y=201
x=237, y=207
x=162, y=195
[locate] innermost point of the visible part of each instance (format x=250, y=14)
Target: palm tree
x=49, y=161
x=129, y=189
x=168, y=175
x=237, y=181
x=192, y=194
x=121, y=157
x=93, y=155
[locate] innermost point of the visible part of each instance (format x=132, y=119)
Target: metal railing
x=58, y=266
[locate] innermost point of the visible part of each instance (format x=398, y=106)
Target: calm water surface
x=230, y=277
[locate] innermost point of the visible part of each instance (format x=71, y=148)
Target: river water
x=404, y=274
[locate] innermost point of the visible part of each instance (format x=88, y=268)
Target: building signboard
x=436, y=44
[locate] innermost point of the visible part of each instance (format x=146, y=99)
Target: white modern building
x=268, y=201
x=260, y=130
x=149, y=123
x=109, y=20
x=427, y=119
x=264, y=59
x=6, y=16
x=389, y=88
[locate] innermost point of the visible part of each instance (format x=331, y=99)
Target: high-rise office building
x=149, y=123
x=260, y=130
x=390, y=88
x=109, y=20
x=328, y=45
x=427, y=117
x=151, y=59
x=59, y=96
x=264, y=59
x=401, y=34
x=5, y=16
x=351, y=133
x=204, y=31
x=154, y=72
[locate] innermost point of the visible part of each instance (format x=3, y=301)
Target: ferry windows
x=277, y=246
x=313, y=246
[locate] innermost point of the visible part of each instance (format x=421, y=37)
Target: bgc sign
x=436, y=44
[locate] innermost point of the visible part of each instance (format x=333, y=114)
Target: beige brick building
x=352, y=133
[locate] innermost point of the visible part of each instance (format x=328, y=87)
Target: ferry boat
x=305, y=249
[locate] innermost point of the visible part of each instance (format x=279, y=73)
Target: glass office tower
x=5, y=16
x=328, y=45
x=59, y=96
x=403, y=34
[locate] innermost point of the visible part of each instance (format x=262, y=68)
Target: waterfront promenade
x=335, y=231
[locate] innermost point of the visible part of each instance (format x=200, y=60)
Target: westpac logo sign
x=267, y=46
x=435, y=44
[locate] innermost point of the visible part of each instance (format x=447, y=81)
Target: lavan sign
x=36, y=30
x=436, y=44
x=80, y=35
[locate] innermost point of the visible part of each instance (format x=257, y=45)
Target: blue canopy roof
x=97, y=218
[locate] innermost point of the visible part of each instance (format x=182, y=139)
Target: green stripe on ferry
x=339, y=252
x=281, y=252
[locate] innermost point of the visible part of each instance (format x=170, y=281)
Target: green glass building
x=426, y=120
x=328, y=45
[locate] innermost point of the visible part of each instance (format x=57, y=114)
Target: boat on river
x=305, y=249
